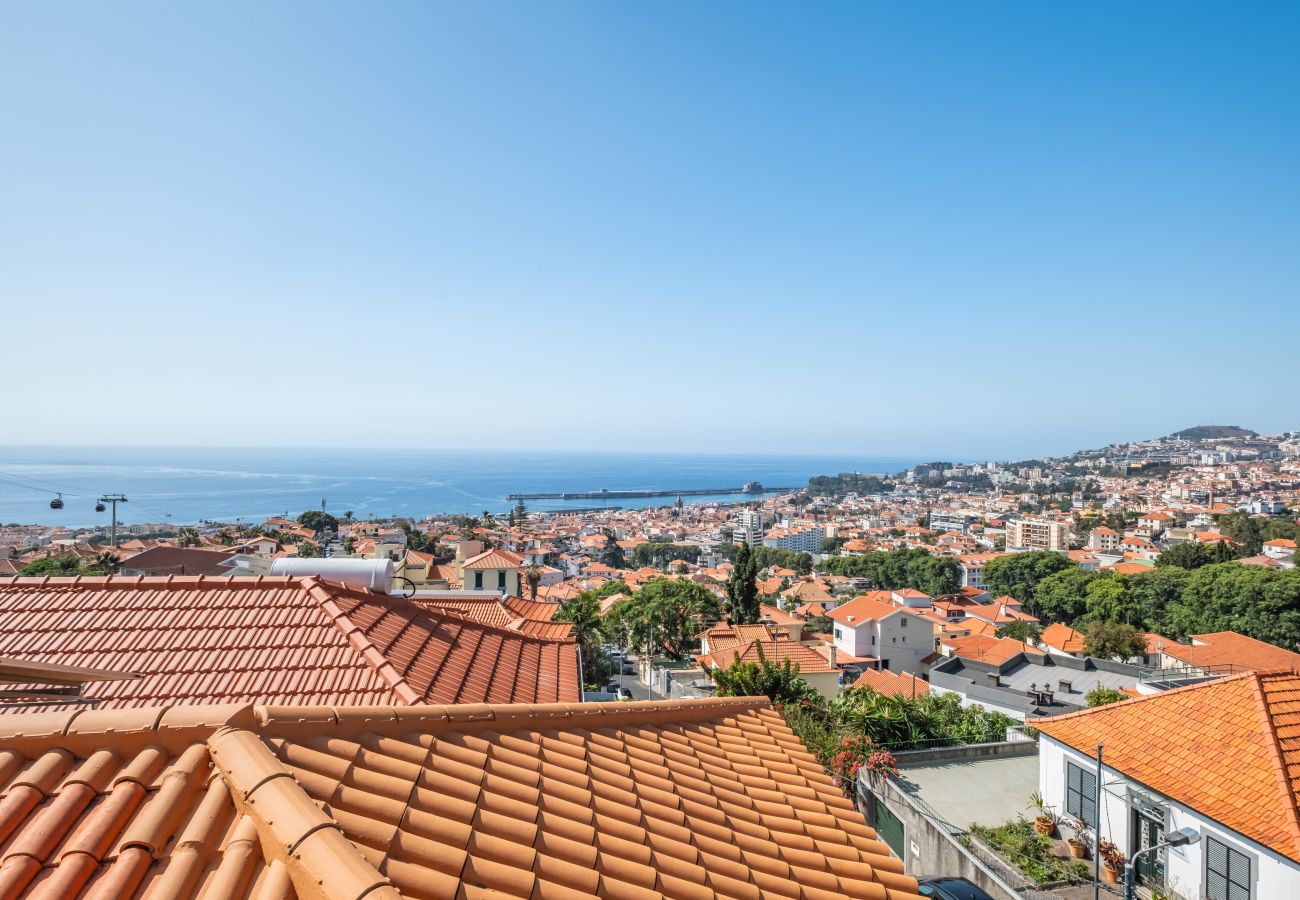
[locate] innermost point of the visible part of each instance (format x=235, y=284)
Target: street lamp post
x=1179, y=838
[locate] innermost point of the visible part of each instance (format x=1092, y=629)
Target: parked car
x=628, y=667
x=951, y=889
x=612, y=687
x=624, y=693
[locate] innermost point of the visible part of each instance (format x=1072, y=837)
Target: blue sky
x=913, y=228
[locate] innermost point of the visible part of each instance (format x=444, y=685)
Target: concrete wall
x=1025, y=747
x=930, y=848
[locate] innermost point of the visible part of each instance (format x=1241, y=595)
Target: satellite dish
x=57, y=502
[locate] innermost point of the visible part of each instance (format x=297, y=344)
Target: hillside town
x=1107, y=640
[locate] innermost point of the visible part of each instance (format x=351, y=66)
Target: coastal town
x=577, y=450
x=1018, y=673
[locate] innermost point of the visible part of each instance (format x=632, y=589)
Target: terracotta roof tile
x=285, y=640
x=546, y=800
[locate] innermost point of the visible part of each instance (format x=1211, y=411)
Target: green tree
x=307, y=550
x=612, y=554
x=1252, y=600
x=1021, y=630
x=659, y=554
x=1101, y=696
x=1246, y=530
x=665, y=616
x=104, y=563
x=889, y=719
x=742, y=589
x=533, y=577
x=1018, y=574
x=519, y=515
x=583, y=615
x=896, y=569
x=53, y=565
x=187, y=537
x=1152, y=595
x=1062, y=596
x=1113, y=640
x=1107, y=600
x=779, y=682
x=1186, y=556
x=318, y=521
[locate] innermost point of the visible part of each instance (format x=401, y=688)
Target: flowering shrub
x=858, y=753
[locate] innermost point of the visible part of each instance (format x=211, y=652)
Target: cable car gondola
x=99, y=507
x=57, y=502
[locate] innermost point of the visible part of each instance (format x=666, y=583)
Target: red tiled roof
x=673, y=799
x=1228, y=748
x=893, y=683
x=1229, y=648
x=1062, y=637
x=494, y=559
x=992, y=650
x=872, y=606
x=280, y=639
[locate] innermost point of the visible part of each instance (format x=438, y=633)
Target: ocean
x=183, y=486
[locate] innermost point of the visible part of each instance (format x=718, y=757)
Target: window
x=902, y=623
x=501, y=580
x=478, y=579
x=1081, y=794
x=1227, y=872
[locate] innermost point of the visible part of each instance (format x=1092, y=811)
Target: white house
x=873, y=625
x=1214, y=757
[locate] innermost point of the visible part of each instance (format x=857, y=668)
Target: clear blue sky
x=957, y=229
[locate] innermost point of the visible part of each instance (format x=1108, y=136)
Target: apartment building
x=1038, y=534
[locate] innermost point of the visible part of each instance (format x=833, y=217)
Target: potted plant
x=1045, y=821
x=1113, y=861
x=1078, y=839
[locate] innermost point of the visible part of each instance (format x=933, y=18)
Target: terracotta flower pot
x=1044, y=824
x=1078, y=849
x=1112, y=877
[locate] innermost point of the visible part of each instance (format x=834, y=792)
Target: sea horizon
x=185, y=485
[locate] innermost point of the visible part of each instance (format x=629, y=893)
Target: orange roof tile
x=297, y=640
x=1228, y=748
x=992, y=650
x=494, y=559
x=1063, y=638
x=893, y=683
x=673, y=799
x=871, y=606
x=1230, y=648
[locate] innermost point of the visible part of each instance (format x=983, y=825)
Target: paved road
x=639, y=691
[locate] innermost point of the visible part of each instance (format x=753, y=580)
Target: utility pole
x=114, y=499
x=1096, y=851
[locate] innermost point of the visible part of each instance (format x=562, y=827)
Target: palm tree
x=104, y=563
x=533, y=575
x=187, y=537
x=583, y=615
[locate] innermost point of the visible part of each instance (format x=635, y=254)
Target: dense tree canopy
x=665, y=616
x=846, y=483
x=1186, y=556
x=1061, y=596
x=318, y=520
x=1018, y=574
x=659, y=554
x=1114, y=640
x=897, y=569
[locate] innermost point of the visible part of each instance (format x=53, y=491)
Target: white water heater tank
x=366, y=574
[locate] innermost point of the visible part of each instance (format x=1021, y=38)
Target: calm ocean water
x=185, y=485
